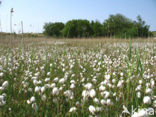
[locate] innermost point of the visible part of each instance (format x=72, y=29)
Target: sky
x=35, y=13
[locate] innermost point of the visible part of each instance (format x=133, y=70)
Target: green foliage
x=77, y=28
x=96, y=28
x=53, y=29
x=154, y=33
x=120, y=26
x=116, y=25
x=142, y=28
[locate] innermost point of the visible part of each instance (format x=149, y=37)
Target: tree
x=53, y=29
x=96, y=28
x=116, y=25
x=70, y=29
x=77, y=28
x=142, y=29
x=120, y=26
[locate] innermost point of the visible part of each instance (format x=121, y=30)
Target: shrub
x=53, y=29
x=77, y=28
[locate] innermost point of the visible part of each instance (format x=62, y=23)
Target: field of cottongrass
x=94, y=77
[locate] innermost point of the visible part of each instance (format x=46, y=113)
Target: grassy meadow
x=45, y=77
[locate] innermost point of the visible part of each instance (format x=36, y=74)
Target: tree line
x=115, y=26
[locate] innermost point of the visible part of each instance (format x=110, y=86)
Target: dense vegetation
x=115, y=26
x=154, y=33
x=82, y=78
x=54, y=29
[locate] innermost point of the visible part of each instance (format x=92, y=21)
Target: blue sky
x=34, y=13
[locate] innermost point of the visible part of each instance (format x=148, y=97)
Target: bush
x=77, y=28
x=53, y=29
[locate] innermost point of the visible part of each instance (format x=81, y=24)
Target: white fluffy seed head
x=107, y=77
x=43, y=98
x=55, y=91
x=42, y=89
x=98, y=109
x=35, y=82
x=148, y=91
x=72, y=86
x=88, y=86
x=37, y=89
x=109, y=102
x=61, y=88
x=92, y=93
x=34, y=106
x=5, y=84
x=48, y=73
x=148, y=84
x=121, y=74
x=147, y=100
x=85, y=93
x=55, y=79
x=138, y=88
x=72, y=109
x=1, y=74
x=152, y=83
x=1, y=97
x=52, y=85
x=102, y=88
x=32, y=99
x=120, y=84
x=72, y=81
x=96, y=100
x=138, y=94
x=107, y=94
x=47, y=86
x=92, y=109
x=140, y=82
x=103, y=102
x=94, y=80
x=28, y=102
x=47, y=80
x=142, y=113
x=113, y=80
x=62, y=80
x=154, y=103
x=1, y=88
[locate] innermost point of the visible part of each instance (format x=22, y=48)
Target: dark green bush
x=77, y=28
x=53, y=29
